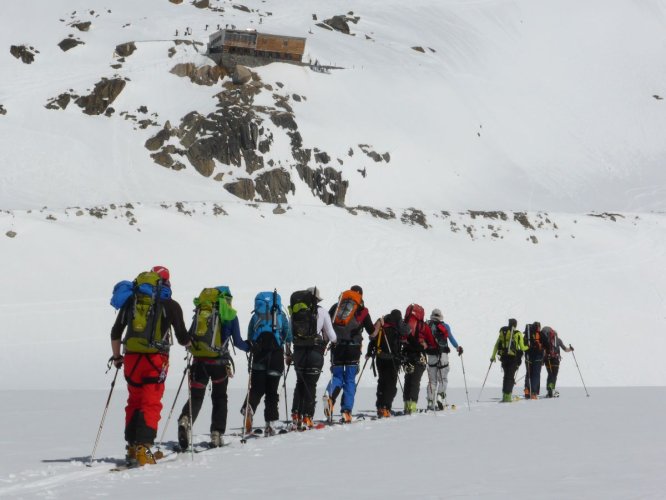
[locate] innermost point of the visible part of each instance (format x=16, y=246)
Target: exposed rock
x=325, y=26
x=60, y=102
x=23, y=53
x=219, y=177
x=386, y=157
x=177, y=2
x=241, y=74
x=204, y=75
x=102, y=96
x=322, y=157
x=125, y=49
x=3, y=111
x=284, y=120
x=69, y=43
x=201, y=4
x=85, y=26
x=109, y=111
x=296, y=97
x=241, y=7
x=419, y=49
x=522, y=218
x=486, y=215
x=273, y=186
x=389, y=214
x=243, y=188
x=201, y=155
x=607, y=215
x=338, y=23
x=10, y=234
x=158, y=140
x=325, y=183
x=163, y=158
x=413, y=216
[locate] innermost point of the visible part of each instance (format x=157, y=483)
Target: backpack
x=441, y=337
x=268, y=318
x=212, y=311
x=303, y=311
x=390, y=338
x=414, y=317
x=348, y=315
x=550, y=343
x=144, y=327
x=533, y=337
x=507, y=344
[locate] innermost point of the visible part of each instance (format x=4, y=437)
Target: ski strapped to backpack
x=268, y=317
x=212, y=312
x=144, y=326
x=349, y=315
x=303, y=311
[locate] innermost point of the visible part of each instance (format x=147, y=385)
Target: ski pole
x=579, y=373
x=189, y=405
x=284, y=386
x=180, y=386
x=484, y=381
x=362, y=369
x=247, y=399
x=465, y=379
x=106, y=408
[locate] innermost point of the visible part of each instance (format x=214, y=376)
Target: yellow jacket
x=508, y=343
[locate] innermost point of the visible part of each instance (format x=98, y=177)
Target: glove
x=492, y=360
x=571, y=347
x=287, y=359
x=460, y=350
x=117, y=361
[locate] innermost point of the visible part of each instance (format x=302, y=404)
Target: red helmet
x=162, y=271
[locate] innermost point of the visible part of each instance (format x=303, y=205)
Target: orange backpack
x=346, y=318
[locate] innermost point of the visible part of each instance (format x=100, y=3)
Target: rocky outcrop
x=243, y=188
x=157, y=141
x=61, y=102
x=3, y=111
x=84, y=26
x=241, y=75
x=203, y=75
x=25, y=54
x=419, y=49
x=102, y=96
x=338, y=23
x=125, y=49
x=201, y=4
x=273, y=186
x=69, y=43
x=177, y=2
x=325, y=183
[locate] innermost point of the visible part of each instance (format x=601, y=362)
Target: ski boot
x=184, y=432
x=506, y=397
x=269, y=430
x=144, y=455
x=216, y=439
x=527, y=393
x=410, y=407
x=130, y=455
x=383, y=413
x=346, y=417
x=306, y=423
x=431, y=405
x=295, y=420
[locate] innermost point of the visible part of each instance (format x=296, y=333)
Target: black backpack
x=303, y=311
x=393, y=335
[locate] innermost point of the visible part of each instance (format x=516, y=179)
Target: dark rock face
x=204, y=75
x=241, y=74
x=419, y=49
x=243, y=188
x=125, y=49
x=157, y=141
x=322, y=180
x=82, y=26
x=338, y=23
x=102, y=96
x=273, y=186
x=241, y=7
x=60, y=102
x=202, y=4
x=69, y=43
x=23, y=53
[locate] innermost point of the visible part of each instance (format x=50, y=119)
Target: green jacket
x=505, y=344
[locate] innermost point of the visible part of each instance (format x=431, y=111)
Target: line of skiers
x=540, y=345
x=300, y=338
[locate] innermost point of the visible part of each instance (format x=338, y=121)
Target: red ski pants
x=145, y=375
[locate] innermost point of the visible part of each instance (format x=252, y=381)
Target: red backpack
x=414, y=317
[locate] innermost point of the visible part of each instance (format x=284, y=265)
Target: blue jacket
x=232, y=329
x=282, y=333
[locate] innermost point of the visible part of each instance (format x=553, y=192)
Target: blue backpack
x=124, y=290
x=268, y=317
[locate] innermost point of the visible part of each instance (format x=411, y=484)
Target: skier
x=311, y=329
x=350, y=317
x=553, y=343
x=533, y=360
x=414, y=361
x=510, y=346
x=438, y=359
x=387, y=349
x=268, y=332
x=147, y=318
x=214, y=326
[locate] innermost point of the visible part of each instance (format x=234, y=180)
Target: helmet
x=436, y=315
x=513, y=323
x=162, y=271
x=357, y=288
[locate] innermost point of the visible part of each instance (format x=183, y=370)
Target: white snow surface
x=544, y=107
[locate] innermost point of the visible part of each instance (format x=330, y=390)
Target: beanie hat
x=436, y=315
x=513, y=323
x=162, y=271
x=358, y=289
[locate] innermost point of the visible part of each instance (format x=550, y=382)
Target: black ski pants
x=308, y=362
x=214, y=370
x=552, y=368
x=510, y=365
x=533, y=363
x=414, y=369
x=387, y=382
x=267, y=369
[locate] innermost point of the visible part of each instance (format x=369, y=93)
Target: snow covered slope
x=511, y=105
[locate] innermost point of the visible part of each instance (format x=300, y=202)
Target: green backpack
x=212, y=311
x=144, y=328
